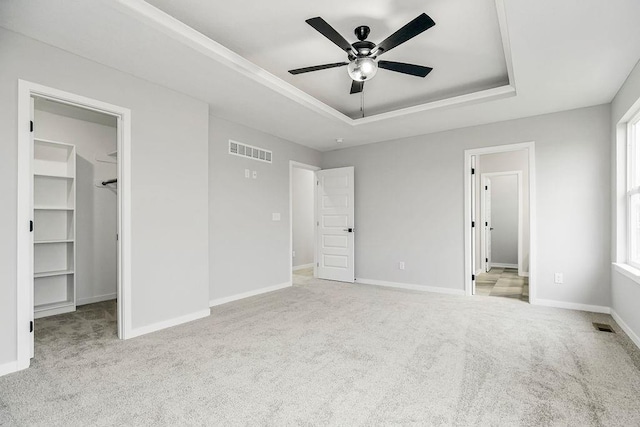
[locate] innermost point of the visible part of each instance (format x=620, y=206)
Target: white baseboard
x=302, y=267
x=8, y=368
x=479, y=271
x=627, y=330
x=98, y=298
x=224, y=300
x=572, y=305
x=502, y=265
x=523, y=274
x=168, y=323
x=412, y=287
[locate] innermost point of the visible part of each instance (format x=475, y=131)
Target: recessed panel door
x=488, y=227
x=335, y=223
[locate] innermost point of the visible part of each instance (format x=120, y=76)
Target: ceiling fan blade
x=356, y=87
x=420, y=24
x=401, y=67
x=329, y=32
x=317, y=67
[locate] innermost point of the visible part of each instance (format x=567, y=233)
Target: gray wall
x=96, y=208
x=248, y=250
x=409, y=203
x=169, y=182
x=503, y=162
x=504, y=219
x=302, y=195
x=625, y=292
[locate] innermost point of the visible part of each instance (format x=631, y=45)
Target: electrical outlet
x=294, y=254
x=558, y=278
x=255, y=174
x=401, y=265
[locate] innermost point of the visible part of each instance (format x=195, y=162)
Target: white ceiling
x=565, y=54
x=464, y=48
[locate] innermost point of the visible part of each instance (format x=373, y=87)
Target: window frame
x=632, y=188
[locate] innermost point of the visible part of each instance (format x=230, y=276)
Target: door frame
x=24, y=283
x=467, y=226
x=483, y=255
x=298, y=165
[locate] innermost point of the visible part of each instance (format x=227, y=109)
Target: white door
x=473, y=226
x=335, y=224
x=487, y=223
x=31, y=249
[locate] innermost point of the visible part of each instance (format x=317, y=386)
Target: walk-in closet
x=75, y=208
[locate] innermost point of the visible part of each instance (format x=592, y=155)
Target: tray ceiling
x=558, y=55
x=464, y=48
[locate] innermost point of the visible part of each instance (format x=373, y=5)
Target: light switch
x=275, y=216
x=247, y=173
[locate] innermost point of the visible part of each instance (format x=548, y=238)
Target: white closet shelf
x=52, y=273
x=54, y=249
x=54, y=305
x=51, y=141
x=49, y=175
x=52, y=208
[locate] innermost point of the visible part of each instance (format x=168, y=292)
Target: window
x=633, y=191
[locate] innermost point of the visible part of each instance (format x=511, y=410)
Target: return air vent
x=243, y=150
x=603, y=327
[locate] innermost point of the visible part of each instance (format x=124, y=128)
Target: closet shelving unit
x=54, y=246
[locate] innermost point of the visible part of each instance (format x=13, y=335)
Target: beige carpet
x=326, y=353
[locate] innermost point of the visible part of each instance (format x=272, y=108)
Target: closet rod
x=110, y=181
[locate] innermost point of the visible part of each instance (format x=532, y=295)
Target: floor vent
x=603, y=327
x=249, y=151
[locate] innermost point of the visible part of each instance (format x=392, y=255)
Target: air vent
x=249, y=151
x=603, y=327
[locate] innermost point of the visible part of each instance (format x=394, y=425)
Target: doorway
x=302, y=187
x=332, y=204
x=500, y=221
x=68, y=143
x=75, y=223
x=303, y=223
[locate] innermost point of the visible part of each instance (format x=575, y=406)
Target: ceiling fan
x=363, y=55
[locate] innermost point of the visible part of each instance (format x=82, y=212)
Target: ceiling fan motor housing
x=362, y=32
x=363, y=48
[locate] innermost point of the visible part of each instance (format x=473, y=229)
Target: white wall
x=303, y=191
x=248, y=250
x=625, y=292
x=169, y=181
x=415, y=188
x=504, y=162
x=504, y=219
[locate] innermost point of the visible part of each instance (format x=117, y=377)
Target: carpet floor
x=327, y=353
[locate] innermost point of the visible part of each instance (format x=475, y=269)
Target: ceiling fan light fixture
x=361, y=69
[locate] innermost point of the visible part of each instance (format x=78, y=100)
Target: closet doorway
x=73, y=258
